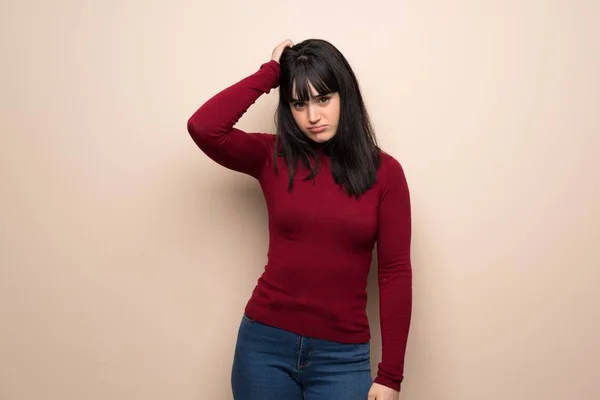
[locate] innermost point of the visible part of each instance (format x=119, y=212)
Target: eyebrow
x=294, y=100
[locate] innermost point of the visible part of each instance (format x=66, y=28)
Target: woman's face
x=317, y=118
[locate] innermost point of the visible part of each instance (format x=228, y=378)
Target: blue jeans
x=270, y=363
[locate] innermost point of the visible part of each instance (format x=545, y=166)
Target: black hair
x=353, y=151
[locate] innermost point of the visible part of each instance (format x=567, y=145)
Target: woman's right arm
x=212, y=125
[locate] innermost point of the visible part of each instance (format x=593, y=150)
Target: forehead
x=313, y=92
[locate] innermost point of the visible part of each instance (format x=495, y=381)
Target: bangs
x=305, y=74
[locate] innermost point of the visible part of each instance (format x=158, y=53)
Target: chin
x=321, y=137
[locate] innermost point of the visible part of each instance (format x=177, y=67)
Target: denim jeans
x=270, y=363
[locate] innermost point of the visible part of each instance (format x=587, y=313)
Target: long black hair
x=353, y=151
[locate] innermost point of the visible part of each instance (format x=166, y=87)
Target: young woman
x=331, y=194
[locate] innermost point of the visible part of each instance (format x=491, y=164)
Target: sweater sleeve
x=212, y=125
x=394, y=274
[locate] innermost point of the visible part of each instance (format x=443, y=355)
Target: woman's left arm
x=394, y=276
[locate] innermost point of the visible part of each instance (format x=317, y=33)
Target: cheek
x=297, y=117
x=334, y=115
x=334, y=110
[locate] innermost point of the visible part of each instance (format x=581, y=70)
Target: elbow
x=205, y=135
x=399, y=267
x=195, y=128
x=201, y=132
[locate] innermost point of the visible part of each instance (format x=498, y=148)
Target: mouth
x=318, y=129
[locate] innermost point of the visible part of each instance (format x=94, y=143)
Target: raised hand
x=277, y=51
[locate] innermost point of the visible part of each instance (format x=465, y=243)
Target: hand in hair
x=276, y=55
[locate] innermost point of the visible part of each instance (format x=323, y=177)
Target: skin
x=317, y=118
x=325, y=112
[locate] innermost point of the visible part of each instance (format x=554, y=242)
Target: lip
x=318, y=129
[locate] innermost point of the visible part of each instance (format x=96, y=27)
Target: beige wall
x=126, y=256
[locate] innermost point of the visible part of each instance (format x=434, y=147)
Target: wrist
x=392, y=384
x=273, y=69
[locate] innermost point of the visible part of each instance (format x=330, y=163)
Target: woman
x=331, y=195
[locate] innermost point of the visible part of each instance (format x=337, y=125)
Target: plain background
x=127, y=256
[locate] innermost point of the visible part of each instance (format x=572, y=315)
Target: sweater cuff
x=388, y=383
x=273, y=67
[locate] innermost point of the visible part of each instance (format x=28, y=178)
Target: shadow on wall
x=245, y=231
x=373, y=314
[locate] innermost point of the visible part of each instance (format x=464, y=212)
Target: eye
x=298, y=105
x=324, y=99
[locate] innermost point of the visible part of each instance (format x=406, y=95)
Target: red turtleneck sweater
x=320, y=240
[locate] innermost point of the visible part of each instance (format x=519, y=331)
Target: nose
x=313, y=114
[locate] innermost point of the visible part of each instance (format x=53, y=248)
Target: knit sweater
x=321, y=240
